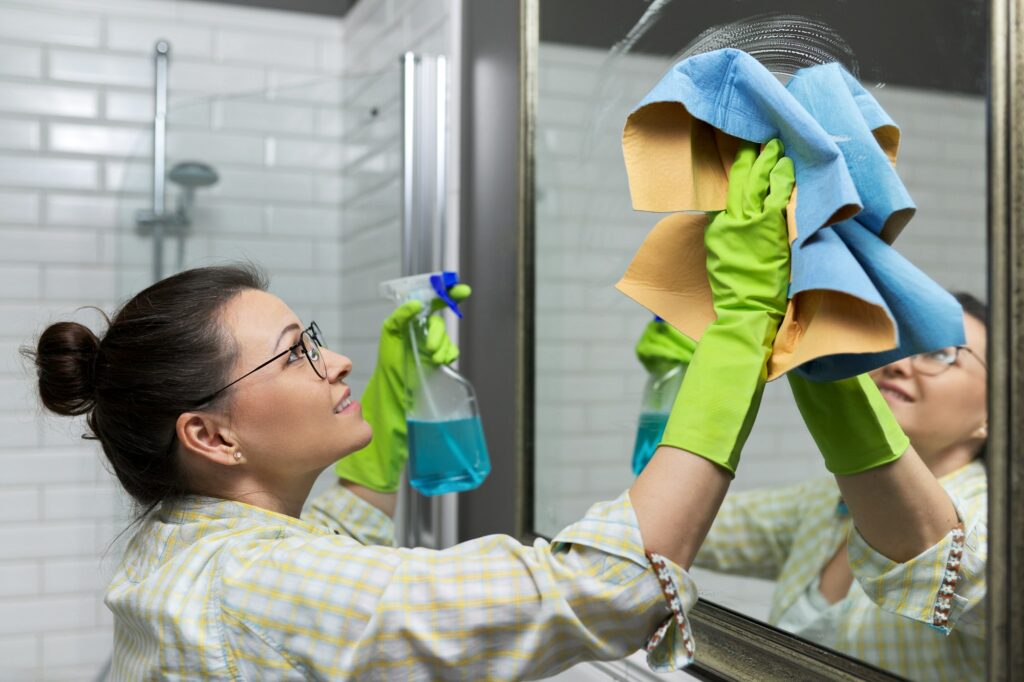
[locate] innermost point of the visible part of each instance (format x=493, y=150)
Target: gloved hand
x=850, y=421
x=662, y=345
x=379, y=465
x=748, y=270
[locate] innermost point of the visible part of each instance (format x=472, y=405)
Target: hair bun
x=65, y=360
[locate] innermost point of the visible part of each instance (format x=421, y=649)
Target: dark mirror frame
x=731, y=646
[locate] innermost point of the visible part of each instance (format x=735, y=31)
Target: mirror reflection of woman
x=887, y=564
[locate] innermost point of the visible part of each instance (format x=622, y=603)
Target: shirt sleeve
x=944, y=586
x=338, y=508
x=490, y=608
x=753, y=533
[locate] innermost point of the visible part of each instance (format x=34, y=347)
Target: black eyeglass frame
x=947, y=365
x=314, y=334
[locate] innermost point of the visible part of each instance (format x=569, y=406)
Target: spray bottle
x=663, y=382
x=447, y=450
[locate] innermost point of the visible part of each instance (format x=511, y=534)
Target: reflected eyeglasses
x=309, y=344
x=938, y=361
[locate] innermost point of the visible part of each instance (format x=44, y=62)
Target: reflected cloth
x=789, y=534
x=220, y=590
x=855, y=303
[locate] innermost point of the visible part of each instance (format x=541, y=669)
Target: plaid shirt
x=215, y=589
x=889, y=617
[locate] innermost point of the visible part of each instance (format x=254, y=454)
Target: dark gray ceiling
x=936, y=44
x=333, y=8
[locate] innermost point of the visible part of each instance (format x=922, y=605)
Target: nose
x=898, y=368
x=338, y=365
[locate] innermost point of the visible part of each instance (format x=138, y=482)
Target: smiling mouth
x=345, y=402
x=895, y=394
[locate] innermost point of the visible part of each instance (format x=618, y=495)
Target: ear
x=981, y=431
x=207, y=436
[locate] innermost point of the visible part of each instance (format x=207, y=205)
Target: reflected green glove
x=748, y=269
x=850, y=421
x=379, y=465
x=662, y=345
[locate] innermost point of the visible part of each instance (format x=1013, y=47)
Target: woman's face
x=946, y=410
x=286, y=418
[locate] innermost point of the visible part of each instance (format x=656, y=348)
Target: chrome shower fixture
x=190, y=175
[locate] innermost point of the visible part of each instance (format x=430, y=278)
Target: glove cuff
x=850, y=422
x=718, y=401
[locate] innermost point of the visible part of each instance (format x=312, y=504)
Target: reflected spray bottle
x=663, y=382
x=447, y=449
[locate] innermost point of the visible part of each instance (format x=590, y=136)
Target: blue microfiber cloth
x=850, y=203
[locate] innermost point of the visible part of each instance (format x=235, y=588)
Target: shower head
x=192, y=174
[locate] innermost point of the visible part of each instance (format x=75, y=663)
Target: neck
x=271, y=492
x=942, y=461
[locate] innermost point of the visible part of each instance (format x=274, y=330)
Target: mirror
x=595, y=62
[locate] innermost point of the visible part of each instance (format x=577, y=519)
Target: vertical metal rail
x=160, y=58
x=424, y=521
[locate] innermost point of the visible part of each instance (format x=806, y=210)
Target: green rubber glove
x=748, y=270
x=662, y=345
x=850, y=421
x=379, y=465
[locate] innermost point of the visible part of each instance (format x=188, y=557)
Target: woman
x=912, y=531
x=218, y=408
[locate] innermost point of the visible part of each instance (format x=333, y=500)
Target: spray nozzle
x=423, y=288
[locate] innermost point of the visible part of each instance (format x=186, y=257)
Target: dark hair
x=164, y=349
x=973, y=307
x=979, y=311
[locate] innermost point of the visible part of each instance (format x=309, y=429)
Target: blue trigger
x=441, y=284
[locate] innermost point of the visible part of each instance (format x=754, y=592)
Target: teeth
x=895, y=394
x=343, y=404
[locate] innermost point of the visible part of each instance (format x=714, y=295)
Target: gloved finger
x=458, y=293
x=402, y=315
x=738, y=177
x=782, y=182
x=446, y=354
x=436, y=334
x=758, y=178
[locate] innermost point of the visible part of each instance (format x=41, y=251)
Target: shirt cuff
x=344, y=512
x=923, y=588
x=612, y=528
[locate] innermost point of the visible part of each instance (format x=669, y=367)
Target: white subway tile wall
x=589, y=383
x=259, y=95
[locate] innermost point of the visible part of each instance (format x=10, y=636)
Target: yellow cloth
x=678, y=163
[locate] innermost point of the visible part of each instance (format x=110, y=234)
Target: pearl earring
x=238, y=457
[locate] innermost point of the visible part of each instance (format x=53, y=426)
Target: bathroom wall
x=589, y=382
x=75, y=112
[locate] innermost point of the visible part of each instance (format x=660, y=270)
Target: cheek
x=959, y=408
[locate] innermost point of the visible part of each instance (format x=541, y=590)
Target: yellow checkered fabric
x=212, y=589
x=788, y=534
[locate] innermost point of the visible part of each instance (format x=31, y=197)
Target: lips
x=891, y=390
x=345, y=401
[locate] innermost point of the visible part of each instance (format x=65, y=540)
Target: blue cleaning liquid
x=648, y=435
x=447, y=457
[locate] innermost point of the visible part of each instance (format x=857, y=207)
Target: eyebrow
x=292, y=326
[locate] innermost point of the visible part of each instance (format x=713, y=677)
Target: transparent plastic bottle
x=659, y=395
x=447, y=448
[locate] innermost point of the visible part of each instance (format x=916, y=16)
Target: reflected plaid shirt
x=789, y=534
x=214, y=589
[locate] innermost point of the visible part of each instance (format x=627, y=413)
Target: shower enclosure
x=331, y=185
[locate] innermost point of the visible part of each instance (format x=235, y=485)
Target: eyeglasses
x=309, y=344
x=938, y=361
